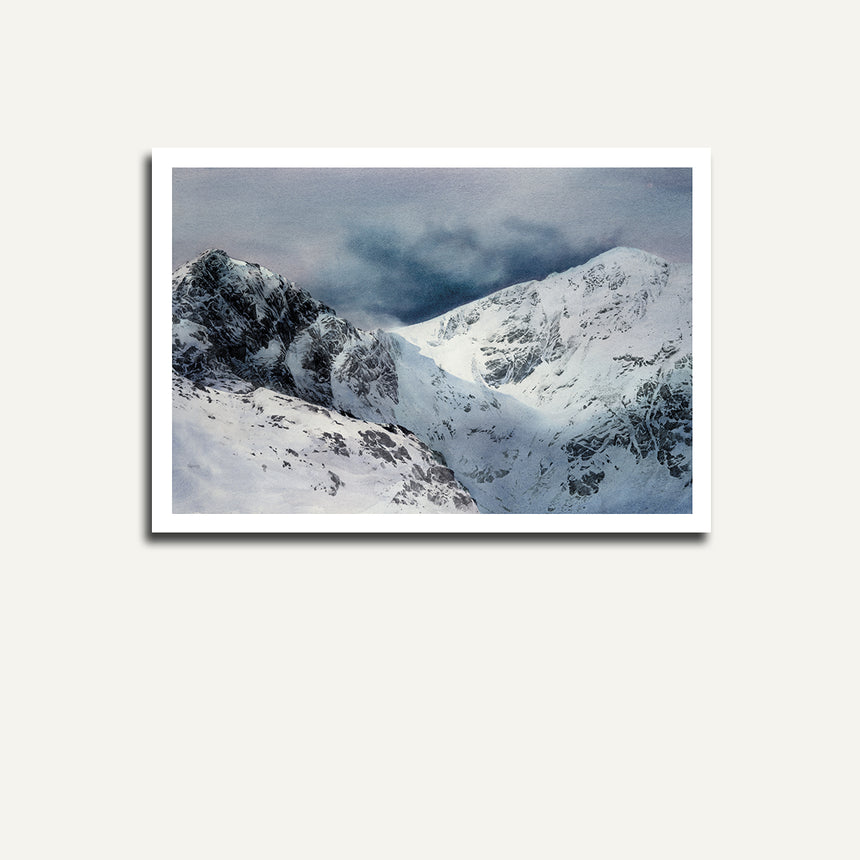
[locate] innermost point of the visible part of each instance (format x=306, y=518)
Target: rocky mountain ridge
x=571, y=394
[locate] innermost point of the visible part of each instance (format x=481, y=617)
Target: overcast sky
x=390, y=246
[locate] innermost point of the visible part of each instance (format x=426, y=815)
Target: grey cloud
x=415, y=279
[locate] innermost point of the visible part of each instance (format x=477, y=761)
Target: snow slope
x=256, y=451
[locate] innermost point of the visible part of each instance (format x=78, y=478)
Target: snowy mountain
x=572, y=394
x=604, y=352
x=234, y=320
x=256, y=366
x=541, y=341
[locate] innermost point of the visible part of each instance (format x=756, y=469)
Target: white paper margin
x=164, y=520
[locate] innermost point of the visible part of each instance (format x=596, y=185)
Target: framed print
x=447, y=340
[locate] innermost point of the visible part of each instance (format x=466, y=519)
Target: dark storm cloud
x=537, y=249
x=384, y=246
x=442, y=268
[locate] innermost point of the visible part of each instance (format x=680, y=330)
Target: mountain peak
x=528, y=331
x=621, y=255
x=214, y=252
x=237, y=318
x=626, y=252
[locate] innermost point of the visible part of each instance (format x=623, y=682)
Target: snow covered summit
x=541, y=340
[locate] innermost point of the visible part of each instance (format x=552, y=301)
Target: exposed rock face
x=237, y=320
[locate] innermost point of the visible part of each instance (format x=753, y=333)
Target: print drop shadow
x=398, y=539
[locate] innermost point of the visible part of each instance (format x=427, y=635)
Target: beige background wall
x=484, y=698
